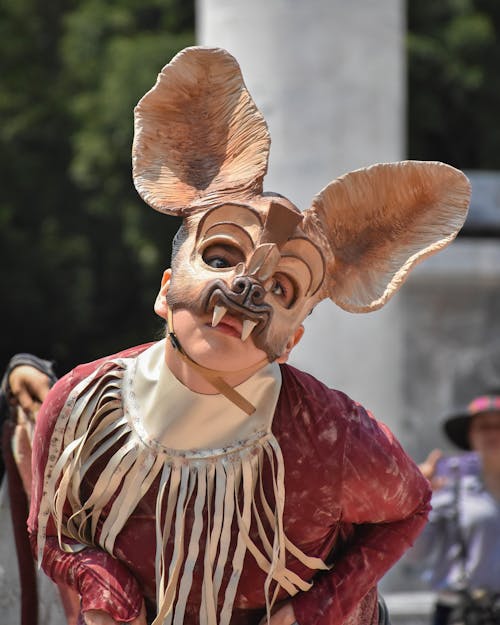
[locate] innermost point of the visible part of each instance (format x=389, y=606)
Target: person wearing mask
x=200, y=479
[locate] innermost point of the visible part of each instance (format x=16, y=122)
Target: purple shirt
x=438, y=547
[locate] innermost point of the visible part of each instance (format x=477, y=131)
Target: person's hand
x=99, y=617
x=428, y=469
x=284, y=615
x=28, y=387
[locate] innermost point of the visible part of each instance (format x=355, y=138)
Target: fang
x=247, y=328
x=219, y=312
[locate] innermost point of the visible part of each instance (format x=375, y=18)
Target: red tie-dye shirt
x=353, y=498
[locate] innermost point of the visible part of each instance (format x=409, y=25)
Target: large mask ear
x=375, y=224
x=198, y=135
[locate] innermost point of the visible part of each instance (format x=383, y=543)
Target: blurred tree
x=454, y=82
x=81, y=253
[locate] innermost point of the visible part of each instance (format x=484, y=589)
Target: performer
x=200, y=479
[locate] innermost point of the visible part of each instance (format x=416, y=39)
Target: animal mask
x=201, y=150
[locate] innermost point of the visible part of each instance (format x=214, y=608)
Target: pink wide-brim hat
x=456, y=426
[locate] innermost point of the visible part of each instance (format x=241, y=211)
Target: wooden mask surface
x=201, y=143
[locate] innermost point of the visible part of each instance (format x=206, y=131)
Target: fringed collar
x=222, y=486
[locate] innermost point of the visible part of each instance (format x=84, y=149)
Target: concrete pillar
x=328, y=75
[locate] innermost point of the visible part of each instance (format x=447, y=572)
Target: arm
x=428, y=468
x=385, y=502
x=102, y=581
x=25, y=384
x=27, y=381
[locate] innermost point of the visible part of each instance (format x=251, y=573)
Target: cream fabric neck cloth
x=165, y=412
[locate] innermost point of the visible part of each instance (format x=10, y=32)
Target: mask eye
x=220, y=256
x=283, y=288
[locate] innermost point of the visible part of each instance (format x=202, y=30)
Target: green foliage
x=81, y=254
x=454, y=83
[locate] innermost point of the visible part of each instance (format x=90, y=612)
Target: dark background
x=81, y=256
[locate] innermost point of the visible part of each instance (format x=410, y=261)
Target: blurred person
x=25, y=384
x=459, y=549
x=200, y=479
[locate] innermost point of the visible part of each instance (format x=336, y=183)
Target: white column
x=328, y=75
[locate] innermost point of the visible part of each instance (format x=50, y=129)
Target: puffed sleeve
x=385, y=503
x=102, y=581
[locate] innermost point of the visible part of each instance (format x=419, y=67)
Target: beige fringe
x=224, y=485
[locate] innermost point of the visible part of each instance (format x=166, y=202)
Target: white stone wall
x=328, y=76
x=450, y=338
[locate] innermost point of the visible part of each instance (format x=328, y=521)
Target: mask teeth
x=247, y=328
x=219, y=312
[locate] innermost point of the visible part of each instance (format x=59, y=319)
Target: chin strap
x=212, y=376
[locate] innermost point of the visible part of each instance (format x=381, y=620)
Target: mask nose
x=263, y=261
x=248, y=290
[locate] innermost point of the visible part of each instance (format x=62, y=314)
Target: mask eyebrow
x=305, y=252
x=238, y=214
x=280, y=224
x=229, y=231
